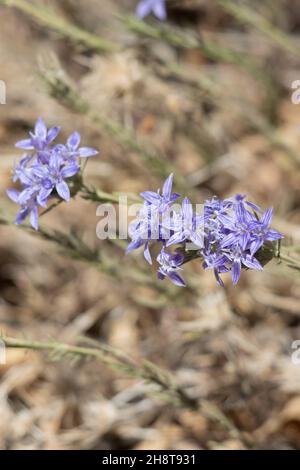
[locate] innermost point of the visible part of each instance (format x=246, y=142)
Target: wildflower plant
x=43, y=170
x=228, y=236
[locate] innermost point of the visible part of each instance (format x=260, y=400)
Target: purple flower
x=169, y=266
x=148, y=225
x=186, y=227
x=235, y=229
x=53, y=176
x=157, y=7
x=29, y=208
x=161, y=203
x=72, y=150
x=40, y=138
x=45, y=169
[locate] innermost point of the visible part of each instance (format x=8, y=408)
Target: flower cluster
x=44, y=168
x=227, y=235
x=157, y=7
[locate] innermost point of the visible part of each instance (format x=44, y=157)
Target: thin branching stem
x=168, y=388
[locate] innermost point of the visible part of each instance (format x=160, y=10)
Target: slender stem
x=244, y=14
x=57, y=23
x=145, y=370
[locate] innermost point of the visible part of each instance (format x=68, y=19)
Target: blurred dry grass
x=224, y=127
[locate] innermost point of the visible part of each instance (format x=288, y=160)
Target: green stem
x=57, y=23
x=146, y=370
x=244, y=14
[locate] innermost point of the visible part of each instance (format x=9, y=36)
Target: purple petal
x=267, y=217
x=63, y=190
x=245, y=240
x=74, y=140
x=187, y=211
x=230, y=239
x=219, y=280
x=167, y=187
x=236, y=271
x=253, y=206
x=134, y=245
x=161, y=276
x=13, y=194
x=69, y=171
x=21, y=215
x=43, y=196
x=144, y=8
x=25, y=196
x=273, y=235
x=34, y=218
x=252, y=263
x=86, y=152
x=40, y=129
x=197, y=239
x=147, y=254
x=52, y=134
x=159, y=10
x=24, y=144
x=176, y=238
x=255, y=246
x=176, y=279
x=151, y=197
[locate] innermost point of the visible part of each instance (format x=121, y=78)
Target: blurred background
x=206, y=95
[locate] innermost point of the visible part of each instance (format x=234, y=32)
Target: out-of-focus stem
x=57, y=23
x=244, y=14
x=146, y=370
x=182, y=39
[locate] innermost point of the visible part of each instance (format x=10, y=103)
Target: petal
x=197, y=239
x=13, y=194
x=236, y=271
x=24, y=144
x=74, y=140
x=25, y=196
x=176, y=279
x=230, y=239
x=217, y=276
x=245, y=240
x=43, y=196
x=159, y=10
x=178, y=237
x=151, y=196
x=63, y=190
x=85, y=152
x=134, y=245
x=267, y=217
x=251, y=263
x=273, y=235
x=22, y=214
x=255, y=246
x=187, y=211
x=69, y=171
x=144, y=8
x=147, y=254
x=253, y=206
x=40, y=129
x=160, y=275
x=167, y=187
x=34, y=218
x=55, y=161
x=52, y=134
